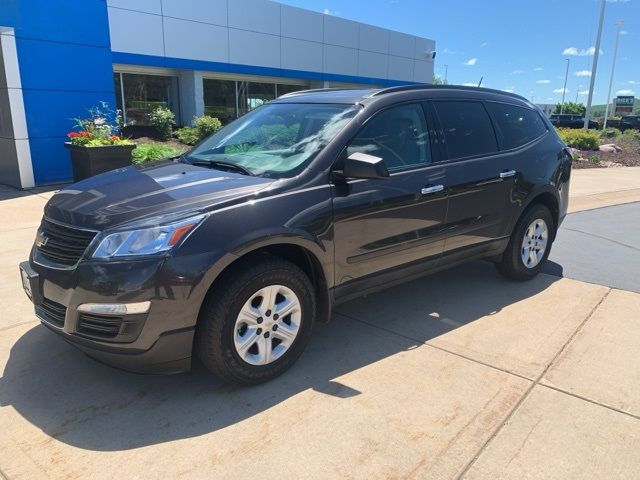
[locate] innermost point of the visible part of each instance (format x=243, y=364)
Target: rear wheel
x=529, y=245
x=256, y=324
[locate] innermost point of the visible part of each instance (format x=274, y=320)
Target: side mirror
x=363, y=165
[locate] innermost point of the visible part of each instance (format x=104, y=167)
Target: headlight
x=145, y=241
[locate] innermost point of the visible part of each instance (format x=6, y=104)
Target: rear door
x=478, y=177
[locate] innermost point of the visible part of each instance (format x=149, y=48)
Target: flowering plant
x=99, y=129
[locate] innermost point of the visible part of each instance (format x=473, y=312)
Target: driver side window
x=398, y=135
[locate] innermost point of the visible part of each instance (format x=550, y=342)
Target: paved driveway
x=461, y=374
x=600, y=246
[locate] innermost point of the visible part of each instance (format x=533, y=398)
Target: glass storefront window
x=220, y=99
x=144, y=93
x=283, y=88
x=252, y=95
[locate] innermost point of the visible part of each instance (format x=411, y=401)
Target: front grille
x=99, y=326
x=63, y=245
x=54, y=312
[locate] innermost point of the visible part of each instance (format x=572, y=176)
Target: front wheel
x=529, y=245
x=257, y=322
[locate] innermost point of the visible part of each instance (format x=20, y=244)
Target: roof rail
x=311, y=90
x=428, y=86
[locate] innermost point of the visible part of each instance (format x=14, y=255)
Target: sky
x=517, y=45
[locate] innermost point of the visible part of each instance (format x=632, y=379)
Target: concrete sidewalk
x=461, y=374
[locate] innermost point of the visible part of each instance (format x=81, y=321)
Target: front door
x=380, y=225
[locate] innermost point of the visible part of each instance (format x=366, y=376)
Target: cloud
x=509, y=89
x=448, y=50
x=561, y=90
x=543, y=81
x=626, y=91
x=633, y=82
x=538, y=69
x=624, y=32
x=484, y=44
x=585, y=52
x=470, y=84
x=471, y=62
x=326, y=11
x=583, y=92
x=583, y=73
x=517, y=72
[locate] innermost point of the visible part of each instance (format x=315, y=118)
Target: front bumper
x=157, y=342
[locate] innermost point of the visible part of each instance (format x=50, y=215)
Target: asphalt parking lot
x=460, y=374
x=600, y=246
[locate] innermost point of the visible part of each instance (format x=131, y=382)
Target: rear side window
x=467, y=128
x=517, y=125
x=398, y=135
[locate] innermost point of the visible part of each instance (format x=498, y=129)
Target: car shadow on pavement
x=91, y=406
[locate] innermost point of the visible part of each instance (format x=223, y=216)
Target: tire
x=222, y=332
x=512, y=265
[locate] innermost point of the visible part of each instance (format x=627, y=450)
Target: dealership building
x=215, y=57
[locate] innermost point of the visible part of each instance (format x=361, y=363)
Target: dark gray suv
x=234, y=250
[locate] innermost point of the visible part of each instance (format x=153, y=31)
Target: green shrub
x=188, y=135
x=610, y=132
x=595, y=159
x=580, y=139
x=148, y=152
x=632, y=134
x=163, y=120
x=206, y=126
x=200, y=128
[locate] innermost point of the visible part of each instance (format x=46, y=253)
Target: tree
x=572, y=108
x=437, y=80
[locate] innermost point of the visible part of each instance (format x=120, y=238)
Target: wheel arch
x=299, y=251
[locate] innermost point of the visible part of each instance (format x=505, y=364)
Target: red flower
x=78, y=134
x=115, y=138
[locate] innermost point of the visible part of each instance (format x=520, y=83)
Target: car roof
x=353, y=96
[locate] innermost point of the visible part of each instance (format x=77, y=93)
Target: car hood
x=134, y=193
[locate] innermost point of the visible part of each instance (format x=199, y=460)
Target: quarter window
x=398, y=135
x=517, y=125
x=467, y=128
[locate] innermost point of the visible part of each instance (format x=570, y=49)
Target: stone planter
x=89, y=161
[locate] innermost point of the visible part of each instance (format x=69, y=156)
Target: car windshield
x=275, y=140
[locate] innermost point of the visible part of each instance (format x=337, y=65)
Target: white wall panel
x=423, y=45
x=372, y=64
x=401, y=44
x=207, y=11
x=301, y=55
x=135, y=32
x=400, y=68
x=147, y=6
x=250, y=48
x=301, y=24
x=422, y=71
x=266, y=33
x=255, y=15
x=341, y=60
x=338, y=31
x=198, y=41
x=374, y=39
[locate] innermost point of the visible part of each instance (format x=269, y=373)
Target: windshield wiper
x=217, y=164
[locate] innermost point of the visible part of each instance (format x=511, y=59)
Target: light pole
x=446, y=71
x=596, y=54
x=618, y=24
x=564, y=90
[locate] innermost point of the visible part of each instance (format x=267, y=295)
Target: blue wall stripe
x=187, y=64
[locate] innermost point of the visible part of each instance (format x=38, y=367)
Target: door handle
x=508, y=174
x=431, y=189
